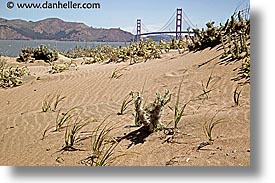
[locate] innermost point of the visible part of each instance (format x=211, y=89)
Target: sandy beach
x=90, y=87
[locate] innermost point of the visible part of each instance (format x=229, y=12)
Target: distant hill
x=157, y=38
x=57, y=29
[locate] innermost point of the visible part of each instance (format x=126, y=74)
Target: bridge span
x=179, y=16
x=165, y=32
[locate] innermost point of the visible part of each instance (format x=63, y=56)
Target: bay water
x=12, y=47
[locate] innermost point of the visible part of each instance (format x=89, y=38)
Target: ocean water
x=13, y=47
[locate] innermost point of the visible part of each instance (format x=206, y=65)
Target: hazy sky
x=123, y=13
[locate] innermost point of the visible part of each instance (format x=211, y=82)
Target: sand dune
x=90, y=87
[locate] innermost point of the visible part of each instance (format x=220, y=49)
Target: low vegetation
x=209, y=126
x=11, y=76
x=208, y=86
x=151, y=114
x=236, y=96
x=40, y=53
x=179, y=110
x=64, y=117
x=118, y=72
x=135, y=52
x=125, y=103
x=246, y=67
x=102, y=146
x=55, y=68
x=72, y=130
x=51, y=102
x=234, y=37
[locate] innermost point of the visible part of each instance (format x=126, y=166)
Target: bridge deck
x=165, y=32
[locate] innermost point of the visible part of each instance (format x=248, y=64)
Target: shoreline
x=63, y=45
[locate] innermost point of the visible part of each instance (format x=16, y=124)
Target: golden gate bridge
x=178, y=17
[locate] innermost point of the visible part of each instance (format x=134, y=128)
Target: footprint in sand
x=177, y=73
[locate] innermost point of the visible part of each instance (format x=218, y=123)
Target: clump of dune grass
x=50, y=103
x=178, y=114
x=246, y=67
x=102, y=146
x=179, y=110
x=236, y=96
x=72, y=131
x=206, y=88
x=125, y=103
x=117, y=73
x=65, y=117
x=47, y=103
x=58, y=98
x=62, y=120
x=71, y=63
x=45, y=132
x=209, y=126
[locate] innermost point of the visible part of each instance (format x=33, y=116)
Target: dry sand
x=22, y=123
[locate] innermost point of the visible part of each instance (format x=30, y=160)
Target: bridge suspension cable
x=168, y=26
x=169, y=22
x=134, y=30
x=145, y=27
x=188, y=20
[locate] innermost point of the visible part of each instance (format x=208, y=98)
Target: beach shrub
x=177, y=44
x=40, y=53
x=205, y=38
x=234, y=37
x=26, y=55
x=58, y=68
x=46, y=54
x=55, y=68
x=3, y=63
x=150, y=115
x=141, y=51
x=236, y=42
x=12, y=76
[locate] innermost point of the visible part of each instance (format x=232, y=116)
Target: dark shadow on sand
x=136, y=137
